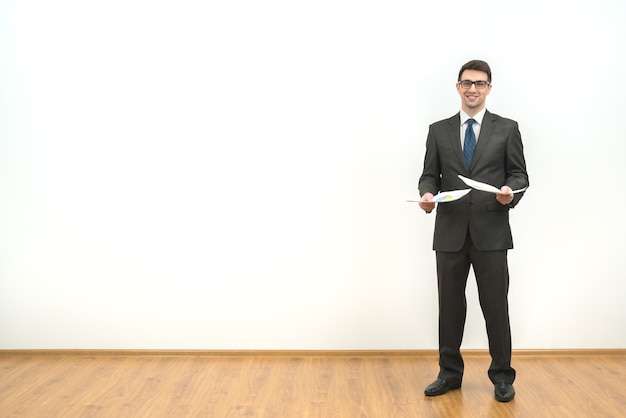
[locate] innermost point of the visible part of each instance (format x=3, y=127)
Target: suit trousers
x=492, y=277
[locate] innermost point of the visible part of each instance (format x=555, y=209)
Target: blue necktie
x=469, y=144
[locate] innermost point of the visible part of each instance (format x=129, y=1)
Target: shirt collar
x=478, y=117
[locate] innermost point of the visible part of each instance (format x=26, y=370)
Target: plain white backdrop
x=233, y=175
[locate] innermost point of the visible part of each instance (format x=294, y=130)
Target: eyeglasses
x=480, y=84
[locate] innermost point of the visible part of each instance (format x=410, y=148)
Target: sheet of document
x=448, y=196
x=484, y=186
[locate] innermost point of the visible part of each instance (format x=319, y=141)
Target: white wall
x=233, y=175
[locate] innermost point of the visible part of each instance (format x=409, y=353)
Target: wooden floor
x=293, y=384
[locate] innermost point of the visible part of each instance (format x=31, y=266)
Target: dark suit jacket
x=498, y=160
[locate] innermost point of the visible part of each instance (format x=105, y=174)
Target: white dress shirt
x=479, y=121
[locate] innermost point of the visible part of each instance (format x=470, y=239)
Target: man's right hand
x=428, y=205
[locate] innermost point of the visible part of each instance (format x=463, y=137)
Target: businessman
x=474, y=230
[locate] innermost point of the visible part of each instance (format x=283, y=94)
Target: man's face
x=472, y=98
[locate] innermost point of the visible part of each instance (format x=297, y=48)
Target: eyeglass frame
x=460, y=82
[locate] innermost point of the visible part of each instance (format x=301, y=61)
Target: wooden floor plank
x=292, y=385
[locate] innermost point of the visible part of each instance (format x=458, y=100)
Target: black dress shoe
x=504, y=392
x=440, y=386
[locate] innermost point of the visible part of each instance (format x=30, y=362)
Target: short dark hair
x=477, y=65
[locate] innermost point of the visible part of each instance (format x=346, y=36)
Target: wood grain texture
x=588, y=384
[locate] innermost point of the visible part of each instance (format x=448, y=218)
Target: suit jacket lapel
x=454, y=135
x=483, y=138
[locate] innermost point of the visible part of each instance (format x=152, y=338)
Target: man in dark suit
x=474, y=230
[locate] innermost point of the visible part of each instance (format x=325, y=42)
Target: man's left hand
x=505, y=196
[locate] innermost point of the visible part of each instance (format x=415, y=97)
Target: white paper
x=485, y=187
x=444, y=197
